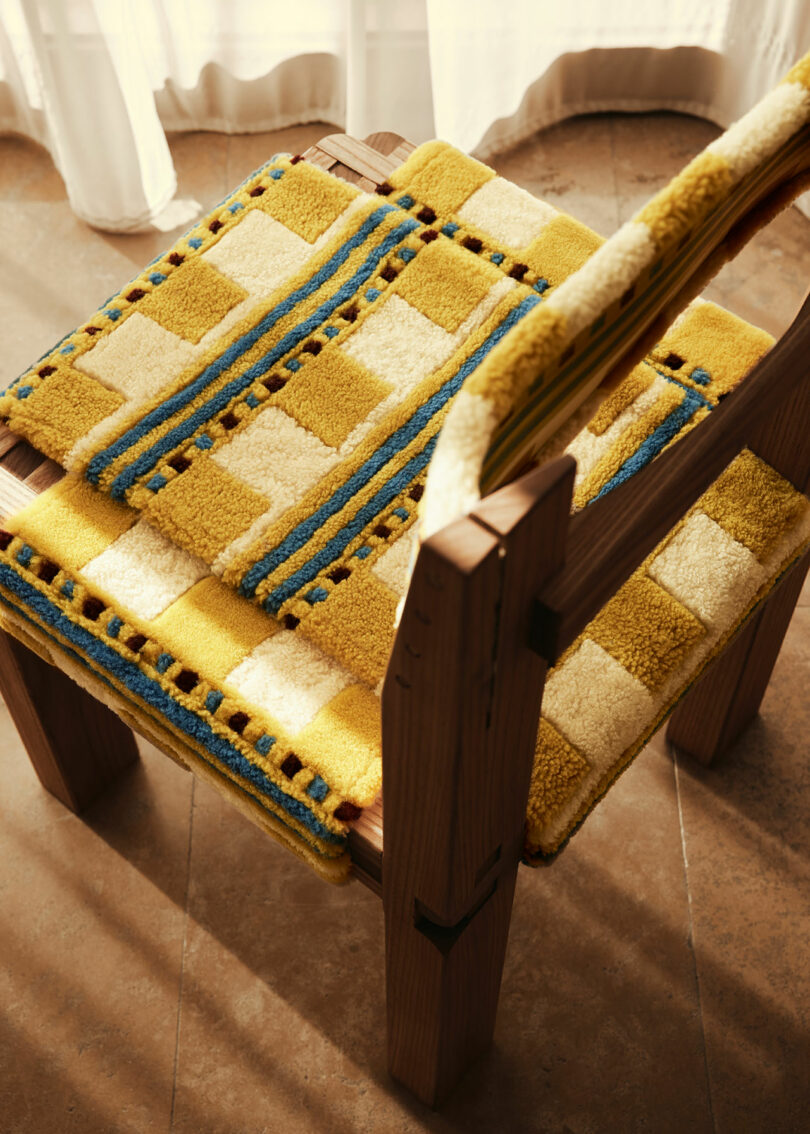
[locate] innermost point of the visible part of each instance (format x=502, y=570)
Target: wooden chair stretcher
x=494, y=599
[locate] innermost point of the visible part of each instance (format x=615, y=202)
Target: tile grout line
x=182, y=955
x=692, y=948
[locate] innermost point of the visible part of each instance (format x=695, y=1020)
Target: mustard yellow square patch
x=753, y=503
x=441, y=177
x=332, y=394
x=355, y=625
x=646, y=630
x=72, y=522
x=719, y=343
x=306, y=200
x=205, y=508
x=211, y=628
x=561, y=249
x=343, y=744
x=192, y=300
x=446, y=283
x=62, y=409
x=558, y=770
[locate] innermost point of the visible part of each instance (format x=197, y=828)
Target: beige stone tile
x=747, y=845
x=282, y=1023
x=570, y=166
x=27, y=172
x=648, y=151
x=90, y=940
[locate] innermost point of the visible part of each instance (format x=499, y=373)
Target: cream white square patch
x=277, y=457
x=709, y=572
x=259, y=253
x=394, y=566
x=138, y=358
x=400, y=344
x=144, y=571
x=507, y=212
x=290, y=678
x=596, y=704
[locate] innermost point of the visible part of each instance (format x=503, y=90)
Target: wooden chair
x=494, y=599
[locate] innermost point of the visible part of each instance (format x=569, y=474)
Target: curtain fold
x=99, y=82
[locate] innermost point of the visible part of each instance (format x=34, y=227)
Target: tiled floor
x=163, y=966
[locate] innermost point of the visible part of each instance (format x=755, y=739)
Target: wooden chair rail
x=610, y=538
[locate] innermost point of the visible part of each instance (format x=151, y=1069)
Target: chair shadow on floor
x=600, y=988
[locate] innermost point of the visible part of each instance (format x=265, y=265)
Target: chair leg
x=728, y=696
x=77, y=746
x=442, y=987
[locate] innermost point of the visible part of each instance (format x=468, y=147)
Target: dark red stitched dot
x=350, y=313
x=382, y=531
x=135, y=642
x=473, y=243
x=274, y=383
x=180, y=463
x=92, y=330
x=518, y=271
x=347, y=812
x=46, y=370
x=176, y=258
x=48, y=570
x=186, y=680
x=290, y=621
x=237, y=721
x=215, y=225
x=673, y=361
x=257, y=191
x=5, y=539
x=384, y=189
x=389, y=273
x=417, y=492
x=136, y=293
x=229, y=420
x=339, y=574
x=92, y=608
x=291, y=765
x=428, y=235
x=295, y=160
x=426, y=215
x=312, y=347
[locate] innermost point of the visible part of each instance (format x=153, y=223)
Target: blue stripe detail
x=701, y=376
x=652, y=445
x=114, y=626
x=318, y=789
x=23, y=556
x=301, y=534
x=264, y=744
x=213, y=700
x=389, y=491
x=194, y=241
x=151, y=692
x=163, y=662
x=24, y=391
x=219, y=401
x=363, y=552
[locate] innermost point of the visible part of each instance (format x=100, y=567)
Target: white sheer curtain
x=100, y=81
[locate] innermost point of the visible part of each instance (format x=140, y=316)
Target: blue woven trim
x=182, y=398
x=652, y=445
x=150, y=691
x=301, y=534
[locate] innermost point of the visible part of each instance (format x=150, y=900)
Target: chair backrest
x=609, y=313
